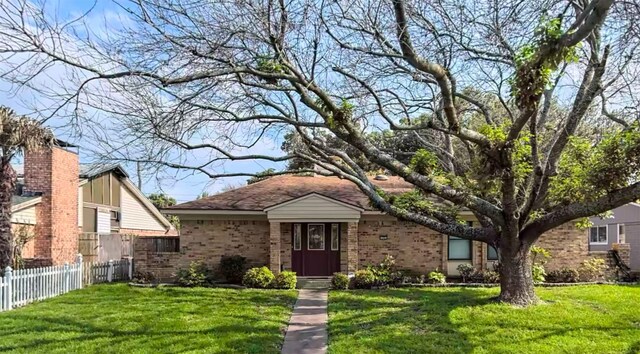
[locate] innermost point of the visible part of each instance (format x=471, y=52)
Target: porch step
x=314, y=283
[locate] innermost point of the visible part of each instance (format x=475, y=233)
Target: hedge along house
x=316, y=226
x=66, y=205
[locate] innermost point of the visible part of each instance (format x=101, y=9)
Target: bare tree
x=498, y=94
x=17, y=133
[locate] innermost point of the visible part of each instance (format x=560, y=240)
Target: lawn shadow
x=400, y=320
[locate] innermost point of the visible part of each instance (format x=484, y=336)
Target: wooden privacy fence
x=20, y=287
x=106, y=272
x=102, y=247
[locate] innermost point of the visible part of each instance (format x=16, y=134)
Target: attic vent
x=381, y=178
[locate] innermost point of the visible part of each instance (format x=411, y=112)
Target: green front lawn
x=580, y=319
x=116, y=318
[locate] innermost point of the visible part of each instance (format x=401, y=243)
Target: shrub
x=466, y=271
x=233, y=268
x=259, y=277
x=364, y=279
x=564, y=275
x=285, y=280
x=383, y=271
x=593, y=269
x=340, y=281
x=538, y=273
x=141, y=277
x=196, y=274
x=490, y=277
x=436, y=277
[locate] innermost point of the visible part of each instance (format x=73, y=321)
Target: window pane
x=315, y=238
x=297, y=237
x=459, y=248
x=335, y=239
x=492, y=253
x=593, y=234
x=602, y=234
x=621, y=229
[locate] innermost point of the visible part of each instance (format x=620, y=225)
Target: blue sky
x=182, y=185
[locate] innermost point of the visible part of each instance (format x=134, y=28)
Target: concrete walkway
x=307, y=331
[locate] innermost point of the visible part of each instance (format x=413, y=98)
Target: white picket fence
x=20, y=287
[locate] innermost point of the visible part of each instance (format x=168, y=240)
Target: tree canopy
x=522, y=112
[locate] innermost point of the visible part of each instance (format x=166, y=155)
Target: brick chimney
x=54, y=173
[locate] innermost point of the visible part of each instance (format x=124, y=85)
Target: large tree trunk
x=7, y=188
x=516, y=279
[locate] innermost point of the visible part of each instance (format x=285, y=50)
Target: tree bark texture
x=516, y=278
x=7, y=188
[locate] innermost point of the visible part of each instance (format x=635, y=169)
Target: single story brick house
x=316, y=225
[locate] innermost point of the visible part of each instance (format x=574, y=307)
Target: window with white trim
x=297, y=237
x=459, y=248
x=335, y=237
x=315, y=237
x=621, y=233
x=598, y=235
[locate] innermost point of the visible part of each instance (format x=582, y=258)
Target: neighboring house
x=61, y=201
x=622, y=228
x=316, y=226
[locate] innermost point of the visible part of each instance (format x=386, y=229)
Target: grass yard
x=580, y=319
x=116, y=318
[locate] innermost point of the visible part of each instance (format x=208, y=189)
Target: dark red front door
x=315, y=249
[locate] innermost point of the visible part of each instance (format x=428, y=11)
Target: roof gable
x=313, y=207
x=313, y=197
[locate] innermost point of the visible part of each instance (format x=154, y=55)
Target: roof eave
x=25, y=205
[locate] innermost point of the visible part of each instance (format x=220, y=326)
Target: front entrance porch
x=313, y=236
x=314, y=248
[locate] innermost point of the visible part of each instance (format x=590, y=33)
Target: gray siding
x=629, y=215
x=633, y=239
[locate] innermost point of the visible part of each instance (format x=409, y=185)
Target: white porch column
x=274, y=246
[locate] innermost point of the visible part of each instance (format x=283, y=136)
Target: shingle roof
x=280, y=189
x=87, y=170
x=90, y=170
x=17, y=200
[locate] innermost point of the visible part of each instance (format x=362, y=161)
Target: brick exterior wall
x=162, y=264
x=54, y=173
x=285, y=245
x=568, y=246
x=414, y=247
x=275, y=235
x=207, y=241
